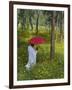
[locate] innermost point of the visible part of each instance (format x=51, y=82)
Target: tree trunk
x=61, y=27
x=37, y=21
x=60, y=32
x=23, y=24
x=52, y=48
x=30, y=20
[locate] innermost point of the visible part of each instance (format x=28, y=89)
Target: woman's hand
x=36, y=48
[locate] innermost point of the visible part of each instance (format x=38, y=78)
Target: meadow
x=44, y=68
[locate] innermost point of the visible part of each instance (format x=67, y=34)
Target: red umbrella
x=37, y=40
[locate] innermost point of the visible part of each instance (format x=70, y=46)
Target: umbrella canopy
x=37, y=40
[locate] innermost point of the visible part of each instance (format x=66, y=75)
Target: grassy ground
x=44, y=69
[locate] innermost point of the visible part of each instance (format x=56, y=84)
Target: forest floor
x=44, y=68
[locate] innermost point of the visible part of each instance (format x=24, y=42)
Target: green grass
x=45, y=68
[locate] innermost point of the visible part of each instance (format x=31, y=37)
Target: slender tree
x=30, y=20
x=31, y=16
x=52, y=47
x=37, y=21
x=61, y=25
x=21, y=18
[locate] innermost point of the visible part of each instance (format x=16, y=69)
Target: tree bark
x=60, y=32
x=52, y=48
x=37, y=22
x=23, y=24
x=30, y=20
x=61, y=27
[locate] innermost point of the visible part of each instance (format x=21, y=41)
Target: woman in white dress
x=32, y=53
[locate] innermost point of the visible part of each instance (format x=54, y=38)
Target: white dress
x=31, y=57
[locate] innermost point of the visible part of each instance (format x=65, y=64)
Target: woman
x=32, y=52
